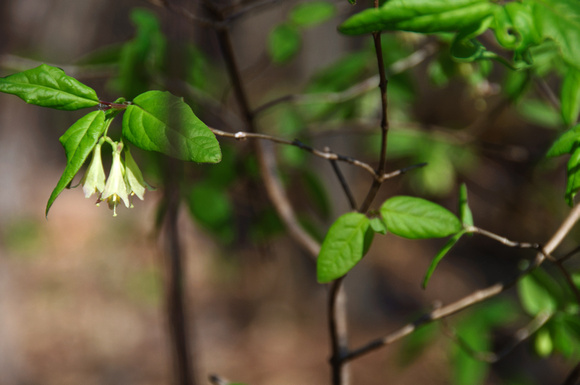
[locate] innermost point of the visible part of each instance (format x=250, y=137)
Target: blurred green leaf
x=210, y=205
x=417, y=342
x=316, y=192
x=141, y=57
x=344, y=246
x=424, y=16
x=558, y=20
x=284, y=42
x=78, y=142
x=312, y=13
x=466, y=369
x=570, y=96
x=539, y=113
x=417, y=218
x=536, y=294
x=48, y=86
x=159, y=121
x=543, y=343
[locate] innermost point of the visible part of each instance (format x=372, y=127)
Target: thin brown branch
x=343, y=183
x=504, y=240
x=473, y=298
x=519, y=336
x=338, y=331
x=374, y=189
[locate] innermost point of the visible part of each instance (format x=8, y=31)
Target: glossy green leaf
x=312, y=13
x=284, y=42
x=570, y=96
x=559, y=20
x=566, y=143
x=345, y=244
x=464, y=211
x=535, y=295
x=78, y=142
x=417, y=218
x=48, y=86
x=444, y=250
x=159, y=121
x=424, y=16
x=573, y=171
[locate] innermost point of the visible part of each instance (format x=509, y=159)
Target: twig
x=519, y=336
x=322, y=154
x=338, y=331
x=343, y=182
x=545, y=89
x=503, y=240
x=473, y=298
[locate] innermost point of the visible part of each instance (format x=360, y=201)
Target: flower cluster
x=125, y=179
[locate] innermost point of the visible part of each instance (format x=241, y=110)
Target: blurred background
x=82, y=294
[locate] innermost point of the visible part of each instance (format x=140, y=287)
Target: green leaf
x=417, y=218
x=464, y=211
x=159, y=121
x=515, y=28
x=566, y=143
x=535, y=295
x=211, y=206
x=465, y=47
x=284, y=42
x=352, y=2
x=570, y=96
x=78, y=142
x=444, y=250
x=559, y=20
x=573, y=182
x=345, y=244
x=424, y=16
x=48, y=86
x=378, y=226
x=474, y=331
x=312, y=13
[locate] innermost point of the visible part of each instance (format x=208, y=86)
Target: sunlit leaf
x=416, y=218
x=425, y=16
x=159, y=121
x=48, y=86
x=345, y=244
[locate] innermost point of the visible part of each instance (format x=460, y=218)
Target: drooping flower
x=94, y=179
x=134, y=178
x=116, y=187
